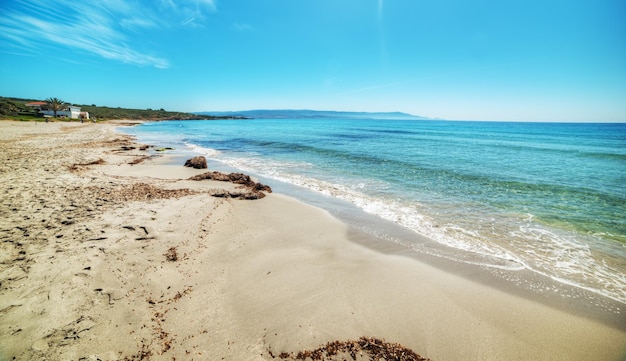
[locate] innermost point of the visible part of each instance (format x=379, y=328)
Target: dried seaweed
x=171, y=254
x=144, y=354
x=77, y=166
x=138, y=192
x=372, y=348
x=139, y=159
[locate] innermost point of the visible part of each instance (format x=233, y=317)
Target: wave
x=501, y=220
x=531, y=246
x=207, y=152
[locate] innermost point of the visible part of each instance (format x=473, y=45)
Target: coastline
x=84, y=272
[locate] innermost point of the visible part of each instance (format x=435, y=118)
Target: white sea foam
x=207, y=152
x=392, y=210
x=485, y=236
x=529, y=246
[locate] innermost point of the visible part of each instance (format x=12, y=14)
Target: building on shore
x=69, y=111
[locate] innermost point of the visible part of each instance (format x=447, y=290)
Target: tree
x=55, y=104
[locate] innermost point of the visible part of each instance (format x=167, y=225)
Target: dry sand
x=103, y=260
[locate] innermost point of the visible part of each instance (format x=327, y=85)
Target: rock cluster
x=198, y=162
x=254, y=190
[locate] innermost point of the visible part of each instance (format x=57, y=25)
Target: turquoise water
x=546, y=197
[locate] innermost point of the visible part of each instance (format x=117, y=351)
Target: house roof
x=35, y=104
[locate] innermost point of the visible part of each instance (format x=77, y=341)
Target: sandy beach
x=109, y=252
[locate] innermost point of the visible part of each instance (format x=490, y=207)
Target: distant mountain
x=299, y=114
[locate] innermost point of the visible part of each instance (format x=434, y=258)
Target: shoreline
x=471, y=220
x=388, y=237
x=89, y=277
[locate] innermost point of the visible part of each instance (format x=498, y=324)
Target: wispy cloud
x=15, y=53
x=99, y=28
x=243, y=27
x=190, y=10
x=209, y=3
x=137, y=22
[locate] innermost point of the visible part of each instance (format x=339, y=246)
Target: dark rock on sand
x=255, y=190
x=198, y=162
x=239, y=195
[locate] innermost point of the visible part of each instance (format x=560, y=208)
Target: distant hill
x=299, y=114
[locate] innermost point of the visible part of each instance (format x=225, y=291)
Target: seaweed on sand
x=363, y=348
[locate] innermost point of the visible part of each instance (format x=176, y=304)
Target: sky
x=532, y=60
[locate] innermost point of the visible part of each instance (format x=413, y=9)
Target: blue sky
x=484, y=60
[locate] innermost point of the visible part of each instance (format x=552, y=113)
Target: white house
x=69, y=111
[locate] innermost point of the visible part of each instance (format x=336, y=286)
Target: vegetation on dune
x=12, y=108
x=102, y=112
x=16, y=109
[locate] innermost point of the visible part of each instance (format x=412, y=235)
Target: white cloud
x=136, y=22
x=99, y=27
x=243, y=27
x=209, y=3
x=189, y=9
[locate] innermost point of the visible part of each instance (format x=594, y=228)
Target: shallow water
x=546, y=197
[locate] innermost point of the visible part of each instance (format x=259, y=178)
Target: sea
x=548, y=198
